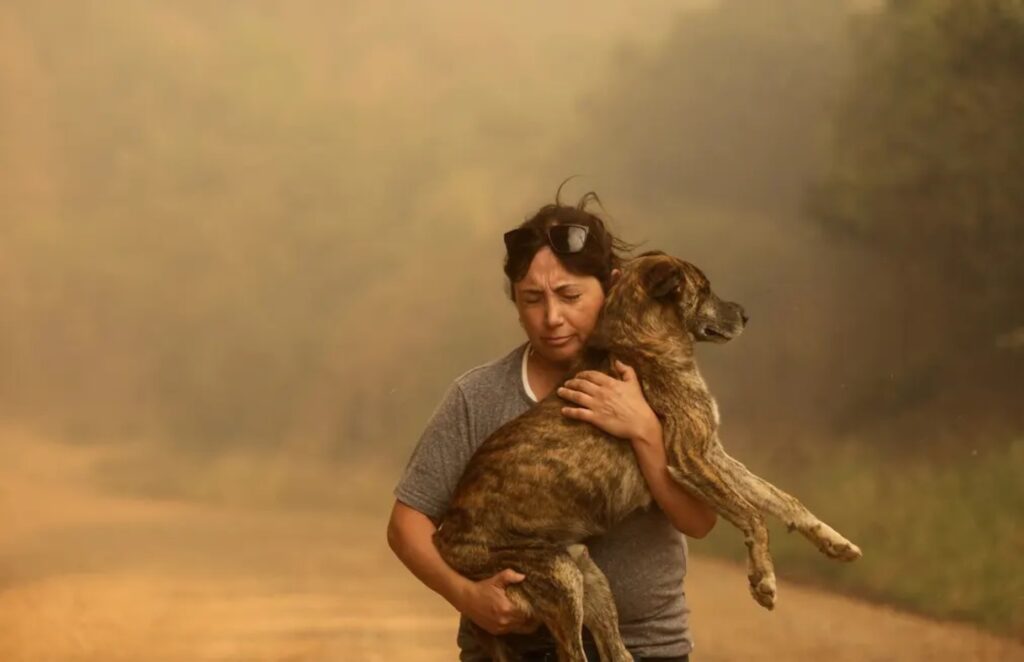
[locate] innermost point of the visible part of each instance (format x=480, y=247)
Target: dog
x=542, y=483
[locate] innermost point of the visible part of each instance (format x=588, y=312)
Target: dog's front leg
x=787, y=508
x=706, y=482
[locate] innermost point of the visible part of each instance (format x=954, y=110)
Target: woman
x=560, y=264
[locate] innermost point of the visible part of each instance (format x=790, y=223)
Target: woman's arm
x=687, y=513
x=410, y=536
x=618, y=407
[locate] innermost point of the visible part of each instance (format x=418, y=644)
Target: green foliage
x=940, y=536
x=928, y=158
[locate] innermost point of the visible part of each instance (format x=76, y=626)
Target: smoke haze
x=245, y=246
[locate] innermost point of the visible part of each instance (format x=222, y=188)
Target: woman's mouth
x=557, y=342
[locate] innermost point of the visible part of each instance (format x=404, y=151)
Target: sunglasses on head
x=567, y=238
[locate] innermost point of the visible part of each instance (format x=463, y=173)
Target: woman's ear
x=615, y=275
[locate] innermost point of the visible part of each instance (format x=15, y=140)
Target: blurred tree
x=928, y=163
x=707, y=139
x=899, y=299
x=727, y=111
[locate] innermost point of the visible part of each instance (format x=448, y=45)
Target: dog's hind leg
x=599, y=613
x=706, y=482
x=787, y=508
x=554, y=589
x=496, y=649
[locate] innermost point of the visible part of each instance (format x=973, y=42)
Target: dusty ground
x=86, y=576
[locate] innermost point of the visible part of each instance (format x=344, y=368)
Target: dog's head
x=663, y=292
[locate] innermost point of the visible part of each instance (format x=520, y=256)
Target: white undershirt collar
x=526, y=380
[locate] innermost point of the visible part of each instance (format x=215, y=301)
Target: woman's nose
x=554, y=315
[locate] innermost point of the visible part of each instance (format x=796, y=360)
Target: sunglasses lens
x=568, y=238
x=561, y=238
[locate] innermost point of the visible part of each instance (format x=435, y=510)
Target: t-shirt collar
x=526, y=380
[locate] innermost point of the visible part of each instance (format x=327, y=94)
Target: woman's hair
x=601, y=253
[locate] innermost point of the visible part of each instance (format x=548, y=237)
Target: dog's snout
x=743, y=316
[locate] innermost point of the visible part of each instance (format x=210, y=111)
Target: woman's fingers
x=578, y=384
x=588, y=387
x=598, y=378
x=579, y=397
x=626, y=371
x=508, y=576
x=578, y=413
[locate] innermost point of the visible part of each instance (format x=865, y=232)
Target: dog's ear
x=662, y=279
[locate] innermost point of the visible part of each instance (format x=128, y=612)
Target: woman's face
x=558, y=309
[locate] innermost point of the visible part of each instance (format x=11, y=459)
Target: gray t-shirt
x=644, y=556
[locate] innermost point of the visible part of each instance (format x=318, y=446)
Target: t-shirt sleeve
x=439, y=458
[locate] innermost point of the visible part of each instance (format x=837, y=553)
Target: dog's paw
x=834, y=545
x=763, y=590
x=846, y=552
x=839, y=548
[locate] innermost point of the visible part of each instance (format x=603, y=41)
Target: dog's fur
x=542, y=483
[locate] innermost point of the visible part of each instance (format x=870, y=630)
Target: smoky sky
x=234, y=225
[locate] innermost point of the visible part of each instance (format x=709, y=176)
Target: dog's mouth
x=714, y=334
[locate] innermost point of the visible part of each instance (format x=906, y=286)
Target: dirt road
x=86, y=576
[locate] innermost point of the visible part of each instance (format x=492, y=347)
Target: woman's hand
x=616, y=406
x=486, y=604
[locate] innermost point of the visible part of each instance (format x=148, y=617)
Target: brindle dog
x=542, y=483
